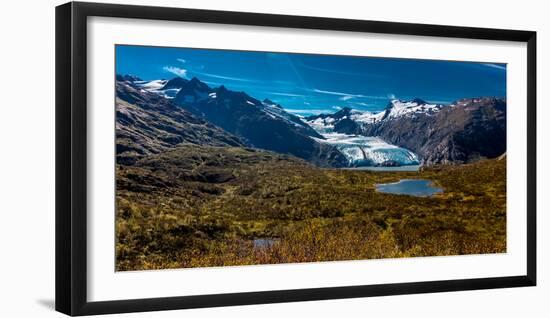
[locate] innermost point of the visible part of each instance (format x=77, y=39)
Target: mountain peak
x=269, y=102
x=400, y=102
x=391, y=103
x=419, y=101
x=176, y=82
x=127, y=78
x=346, y=111
x=195, y=82
x=222, y=89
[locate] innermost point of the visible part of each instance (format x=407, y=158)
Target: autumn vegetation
x=200, y=206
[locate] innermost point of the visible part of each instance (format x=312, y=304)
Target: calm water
x=379, y=168
x=260, y=243
x=415, y=187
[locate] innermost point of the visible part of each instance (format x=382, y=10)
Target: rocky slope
x=352, y=121
x=465, y=131
x=147, y=123
x=263, y=125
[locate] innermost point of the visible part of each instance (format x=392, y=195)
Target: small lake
x=414, y=187
x=262, y=243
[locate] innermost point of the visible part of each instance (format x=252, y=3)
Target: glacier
x=368, y=151
x=363, y=151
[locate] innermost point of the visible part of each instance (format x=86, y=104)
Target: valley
x=213, y=177
x=201, y=206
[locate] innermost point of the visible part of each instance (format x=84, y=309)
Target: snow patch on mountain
x=150, y=85
x=276, y=111
x=366, y=116
x=395, y=109
x=399, y=108
x=156, y=86
x=322, y=125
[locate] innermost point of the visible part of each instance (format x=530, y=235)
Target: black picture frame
x=71, y=154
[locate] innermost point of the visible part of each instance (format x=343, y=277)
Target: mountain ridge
x=263, y=125
x=466, y=130
x=147, y=123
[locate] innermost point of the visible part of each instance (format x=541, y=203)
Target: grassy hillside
x=198, y=206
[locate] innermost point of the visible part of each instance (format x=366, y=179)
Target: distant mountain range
x=257, y=124
x=464, y=131
x=351, y=121
x=155, y=115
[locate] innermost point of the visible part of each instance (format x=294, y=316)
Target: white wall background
x=27, y=158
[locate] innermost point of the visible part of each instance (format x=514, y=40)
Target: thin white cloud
x=280, y=82
x=183, y=61
x=346, y=96
x=336, y=93
x=175, y=70
x=333, y=71
x=285, y=94
x=238, y=79
x=212, y=83
x=392, y=96
x=500, y=67
x=361, y=104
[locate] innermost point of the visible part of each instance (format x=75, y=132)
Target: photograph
x=231, y=158
x=274, y=159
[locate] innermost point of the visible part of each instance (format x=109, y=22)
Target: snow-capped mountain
x=346, y=130
x=193, y=92
x=192, y=89
x=343, y=130
x=265, y=124
x=147, y=123
x=404, y=133
x=346, y=120
x=155, y=86
x=261, y=124
x=398, y=108
x=127, y=78
x=352, y=121
x=463, y=131
x=175, y=83
x=276, y=111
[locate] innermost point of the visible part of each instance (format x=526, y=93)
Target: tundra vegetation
x=200, y=206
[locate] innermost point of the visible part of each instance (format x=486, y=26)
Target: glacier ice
x=368, y=151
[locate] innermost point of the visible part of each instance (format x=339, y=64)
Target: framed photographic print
x=208, y=158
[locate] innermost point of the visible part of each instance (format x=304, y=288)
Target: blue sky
x=310, y=84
